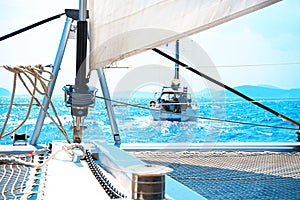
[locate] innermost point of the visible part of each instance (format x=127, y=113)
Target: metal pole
x=177, y=58
x=110, y=111
x=81, y=49
x=82, y=10
x=55, y=70
x=79, y=108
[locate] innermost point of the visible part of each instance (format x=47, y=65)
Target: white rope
x=3, y=175
x=34, y=167
x=18, y=161
x=24, y=181
x=36, y=77
x=9, y=178
x=15, y=182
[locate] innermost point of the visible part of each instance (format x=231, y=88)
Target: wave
x=136, y=124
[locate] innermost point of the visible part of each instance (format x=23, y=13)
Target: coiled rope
x=35, y=76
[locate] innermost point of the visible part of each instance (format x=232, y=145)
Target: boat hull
x=162, y=115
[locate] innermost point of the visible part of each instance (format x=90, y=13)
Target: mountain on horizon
x=4, y=92
x=268, y=86
x=260, y=91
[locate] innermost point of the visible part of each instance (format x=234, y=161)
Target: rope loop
x=32, y=77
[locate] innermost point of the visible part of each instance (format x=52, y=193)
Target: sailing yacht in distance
x=174, y=102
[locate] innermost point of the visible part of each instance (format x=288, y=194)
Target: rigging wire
x=200, y=117
x=251, y=65
x=30, y=27
x=228, y=88
x=18, y=104
x=260, y=101
x=225, y=102
x=220, y=66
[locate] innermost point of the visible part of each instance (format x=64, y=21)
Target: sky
x=268, y=38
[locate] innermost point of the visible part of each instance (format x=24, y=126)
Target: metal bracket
x=74, y=14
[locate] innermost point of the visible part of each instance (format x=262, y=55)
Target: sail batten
x=122, y=28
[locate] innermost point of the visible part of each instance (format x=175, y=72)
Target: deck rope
x=20, y=179
x=17, y=161
x=34, y=166
x=35, y=75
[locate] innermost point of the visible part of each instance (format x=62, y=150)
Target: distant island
x=4, y=92
x=260, y=91
x=255, y=92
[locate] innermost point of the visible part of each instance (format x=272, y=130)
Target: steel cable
x=204, y=118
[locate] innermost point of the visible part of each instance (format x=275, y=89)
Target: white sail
x=121, y=28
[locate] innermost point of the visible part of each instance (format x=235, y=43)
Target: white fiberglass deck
x=70, y=180
x=199, y=172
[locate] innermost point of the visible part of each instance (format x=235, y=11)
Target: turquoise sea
x=136, y=125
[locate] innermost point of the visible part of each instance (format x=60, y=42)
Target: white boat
x=173, y=104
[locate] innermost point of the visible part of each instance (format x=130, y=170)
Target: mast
x=81, y=48
x=176, y=82
x=80, y=96
x=79, y=92
x=177, y=58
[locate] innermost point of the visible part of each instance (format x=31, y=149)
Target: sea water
x=213, y=122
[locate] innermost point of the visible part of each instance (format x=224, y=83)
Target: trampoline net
x=232, y=175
